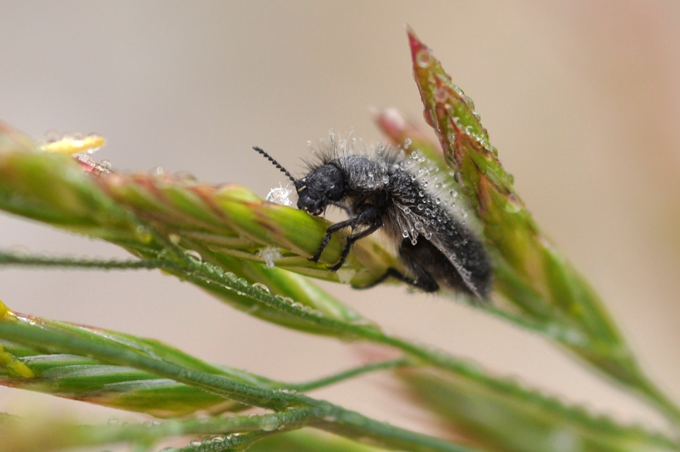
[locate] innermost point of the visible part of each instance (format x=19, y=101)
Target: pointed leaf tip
x=416, y=44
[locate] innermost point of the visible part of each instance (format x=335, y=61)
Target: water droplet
x=195, y=443
x=270, y=423
x=185, y=176
x=345, y=275
x=441, y=94
x=468, y=100
x=195, y=255
x=407, y=210
x=269, y=254
x=280, y=195
x=421, y=207
x=407, y=143
x=423, y=58
x=404, y=233
x=261, y=287
x=514, y=204
x=143, y=234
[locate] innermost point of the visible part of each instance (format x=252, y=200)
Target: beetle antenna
x=276, y=164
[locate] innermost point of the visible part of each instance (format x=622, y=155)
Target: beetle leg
x=367, y=216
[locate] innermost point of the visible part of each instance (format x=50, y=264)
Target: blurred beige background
x=581, y=98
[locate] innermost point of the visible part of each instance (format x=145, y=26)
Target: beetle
x=379, y=191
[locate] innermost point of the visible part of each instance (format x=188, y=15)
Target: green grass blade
x=163, y=361
x=499, y=423
x=531, y=273
x=220, y=273
x=308, y=441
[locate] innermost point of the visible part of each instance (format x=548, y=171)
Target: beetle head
x=323, y=185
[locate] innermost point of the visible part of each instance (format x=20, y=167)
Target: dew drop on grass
x=270, y=423
x=269, y=254
x=468, y=100
x=423, y=58
x=280, y=195
x=345, y=275
x=514, y=204
x=441, y=94
x=195, y=255
x=143, y=234
x=289, y=301
x=261, y=287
